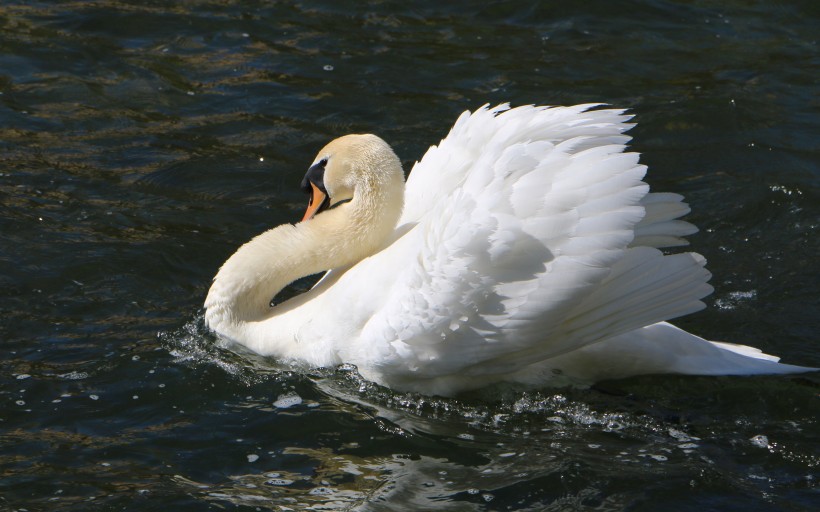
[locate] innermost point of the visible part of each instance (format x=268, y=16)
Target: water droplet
x=287, y=400
x=279, y=481
x=760, y=441
x=253, y=457
x=73, y=375
x=328, y=67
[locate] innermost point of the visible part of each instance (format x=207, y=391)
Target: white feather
x=527, y=250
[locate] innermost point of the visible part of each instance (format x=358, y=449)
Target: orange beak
x=317, y=202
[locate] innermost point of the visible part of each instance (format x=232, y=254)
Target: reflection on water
x=142, y=142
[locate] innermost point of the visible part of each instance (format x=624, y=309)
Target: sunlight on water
x=142, y=142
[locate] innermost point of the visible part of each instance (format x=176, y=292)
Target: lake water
x=141, y=142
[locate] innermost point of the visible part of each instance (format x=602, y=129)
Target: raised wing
x=445, y=168
x=515, y=248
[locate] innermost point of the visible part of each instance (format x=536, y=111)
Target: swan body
x=523, y=248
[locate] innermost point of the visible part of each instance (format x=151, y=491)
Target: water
x=142, y=142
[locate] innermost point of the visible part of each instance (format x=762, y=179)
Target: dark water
x=141, y=142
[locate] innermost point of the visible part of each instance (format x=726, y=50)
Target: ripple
x=142, y=142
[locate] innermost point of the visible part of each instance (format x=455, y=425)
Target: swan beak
x=318, y=201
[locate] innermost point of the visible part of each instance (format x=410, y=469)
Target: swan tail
x=660, y=348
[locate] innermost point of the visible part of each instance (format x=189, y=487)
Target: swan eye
x=323, y=162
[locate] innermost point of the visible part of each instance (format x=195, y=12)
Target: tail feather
x=660, y=348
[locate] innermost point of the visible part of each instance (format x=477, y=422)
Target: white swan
x=523, y=248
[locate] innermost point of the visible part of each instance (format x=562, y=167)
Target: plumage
x=526, y=250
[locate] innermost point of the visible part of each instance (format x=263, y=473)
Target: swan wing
x=528, y=233
x=445, y=167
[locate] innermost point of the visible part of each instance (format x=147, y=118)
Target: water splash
x=194, y=345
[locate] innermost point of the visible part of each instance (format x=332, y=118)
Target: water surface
x=142, y=142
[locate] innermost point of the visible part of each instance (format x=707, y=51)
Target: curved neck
x=243, y=288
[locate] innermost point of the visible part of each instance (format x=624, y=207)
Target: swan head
x=358, y=168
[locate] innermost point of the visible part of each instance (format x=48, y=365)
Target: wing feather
x=661, y=226
x=527, y=233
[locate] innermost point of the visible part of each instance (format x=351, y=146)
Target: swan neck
x=247, y=282
x=245, y=285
